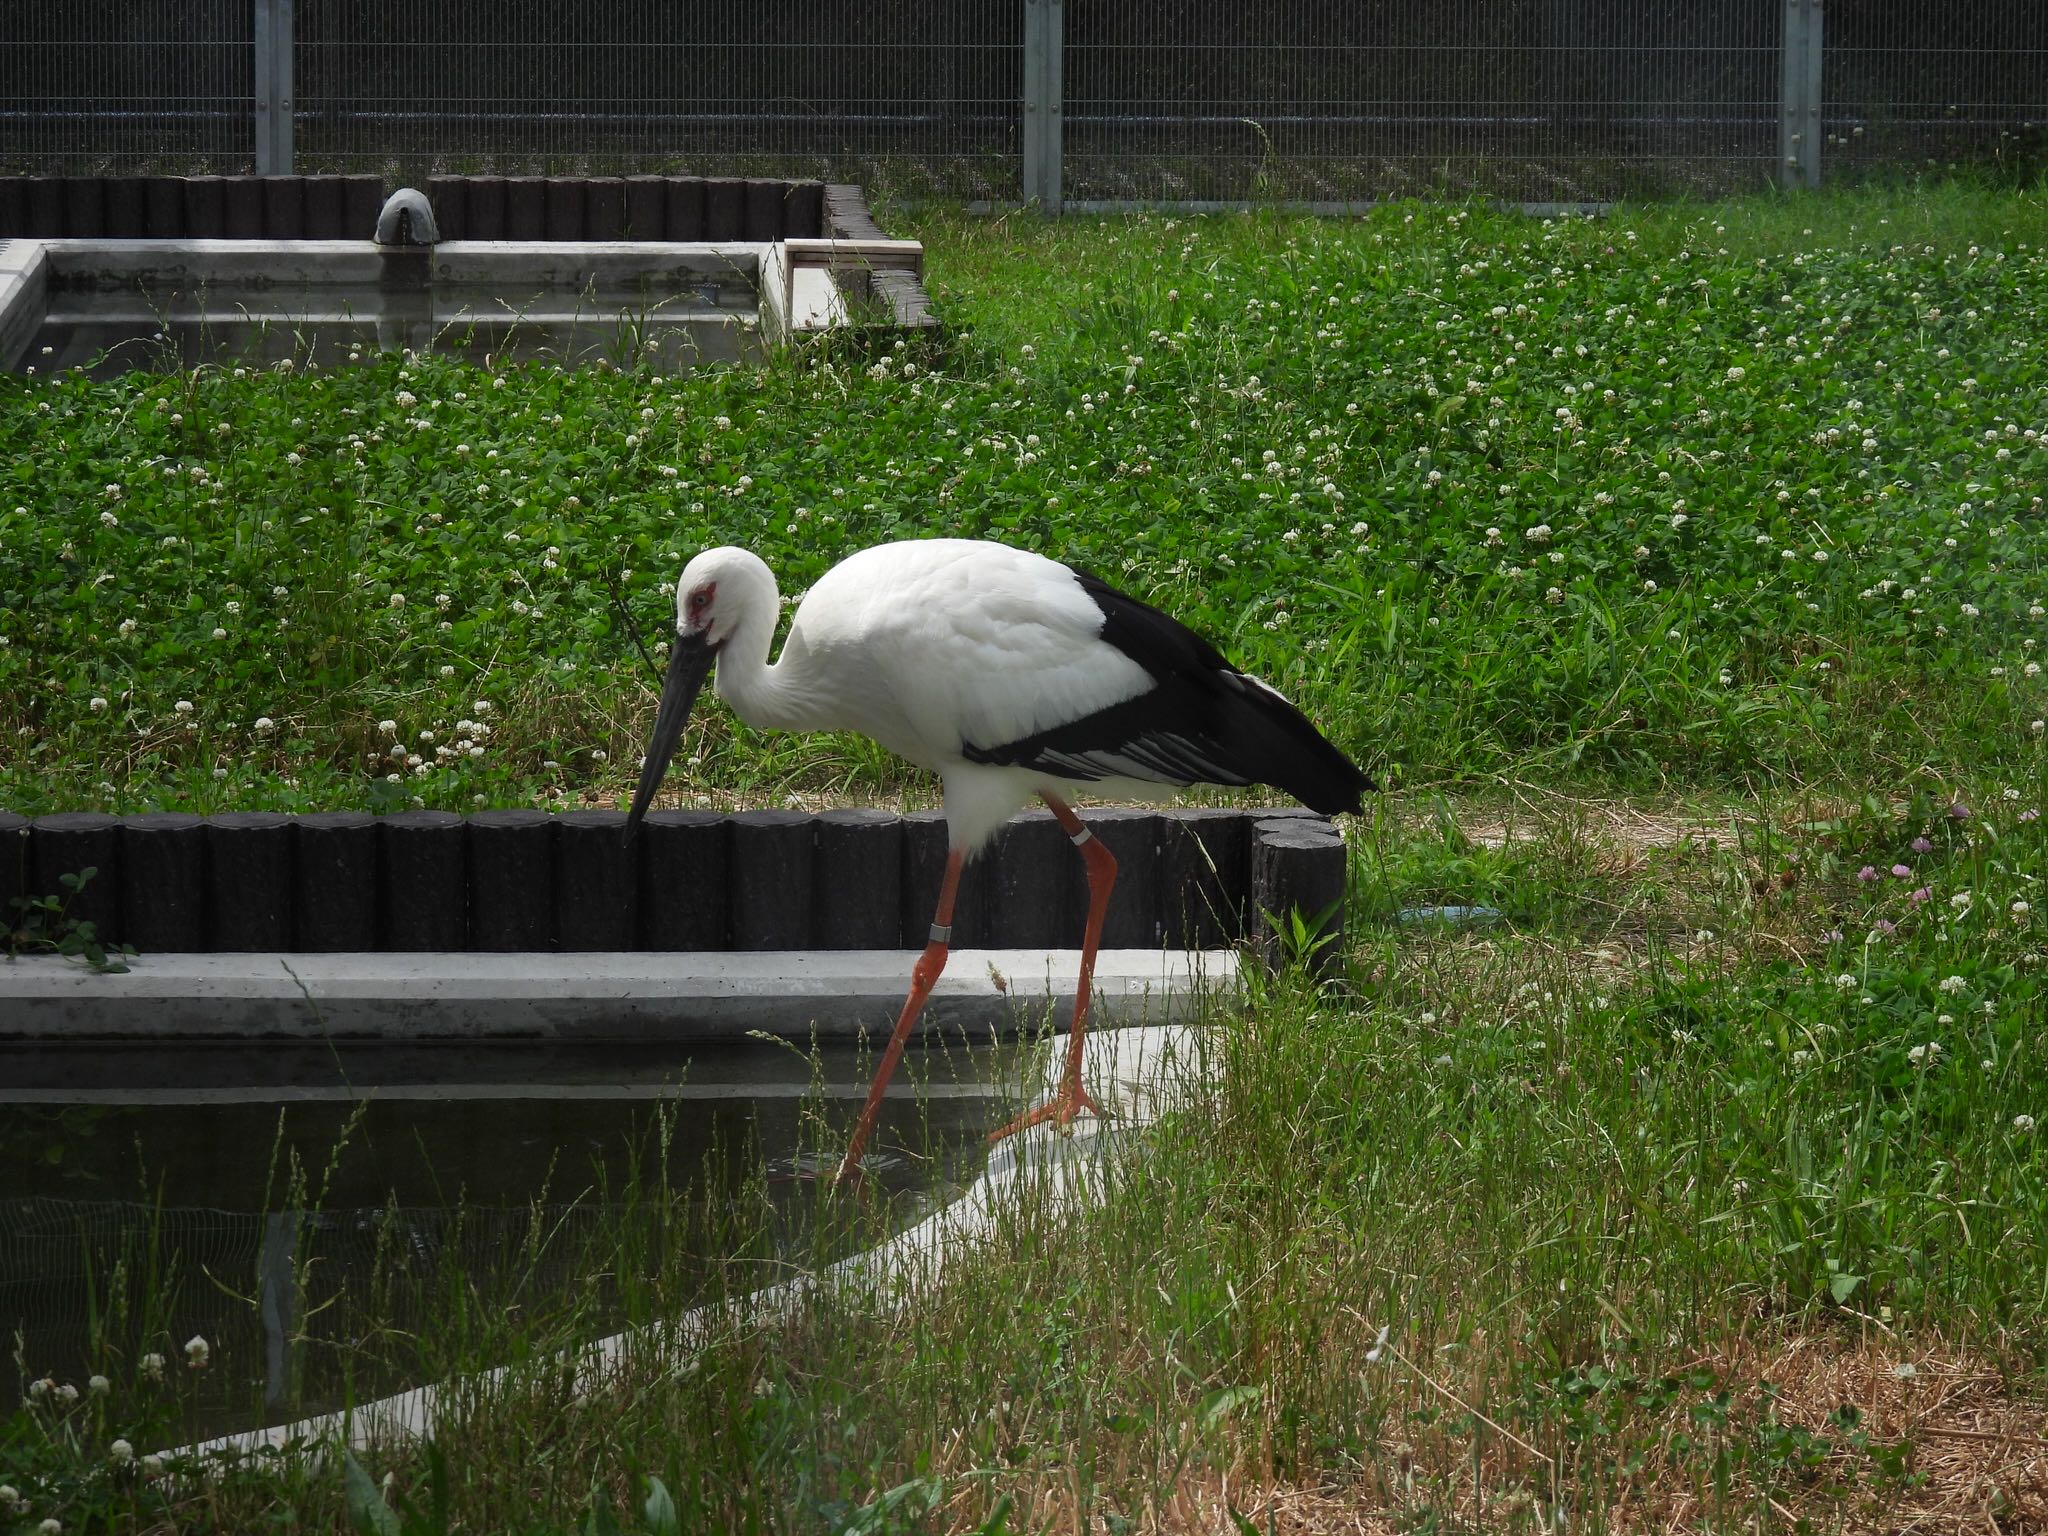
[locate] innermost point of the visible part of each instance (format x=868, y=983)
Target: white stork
x=1007, y=674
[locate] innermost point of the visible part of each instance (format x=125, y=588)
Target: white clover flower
x=1649, y=586
x=96, y=704
x=398, y=600
x=1952, y=985
x=1960, y=901
x=98, y=1385
x=183, y=706
x=1917, y=1054
x=198, y=1352
x=1845, y=982
x=2023, y=1123
x=2019, y=909
x=152, y=1366
x=1538, y=534
x=51, y=1527
x=264, y=724
x=120, y=1453
x=387, y=727
x=219, y=633
x=67, y=1394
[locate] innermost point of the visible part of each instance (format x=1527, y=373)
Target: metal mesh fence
x=1319, y=100
x=1337, y=100
x=1927, y=87
x=919, y=97
x=143, y=86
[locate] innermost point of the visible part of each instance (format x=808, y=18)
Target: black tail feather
x=1272, y=742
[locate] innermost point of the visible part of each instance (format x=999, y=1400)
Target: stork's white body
x=930, y=645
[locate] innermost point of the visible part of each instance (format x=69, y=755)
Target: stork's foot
x=1060, y=1109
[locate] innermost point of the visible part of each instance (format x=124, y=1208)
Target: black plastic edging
x=326, y=207
x=692, y=880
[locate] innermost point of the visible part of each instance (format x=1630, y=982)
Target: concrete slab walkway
x=614, y=996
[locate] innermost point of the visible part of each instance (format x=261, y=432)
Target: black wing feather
x=1202, y=722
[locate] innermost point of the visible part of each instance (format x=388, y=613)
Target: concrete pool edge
x=800, y=287
x=1137, y=1074
x=186, y=998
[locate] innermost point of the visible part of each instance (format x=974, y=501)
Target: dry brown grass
x=1975, y=1456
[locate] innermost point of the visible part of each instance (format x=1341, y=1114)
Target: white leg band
x=1082, y=836
x=942, y=935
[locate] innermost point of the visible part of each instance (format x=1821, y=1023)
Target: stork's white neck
x=770, y=698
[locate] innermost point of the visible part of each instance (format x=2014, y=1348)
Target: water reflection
x=342, y=1221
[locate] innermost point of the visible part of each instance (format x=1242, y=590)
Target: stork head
x=720, y=591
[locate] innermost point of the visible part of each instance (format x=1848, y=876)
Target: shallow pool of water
x=341, y=1220
x=112, y=333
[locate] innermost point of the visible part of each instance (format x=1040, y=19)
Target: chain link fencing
x=1191, y=101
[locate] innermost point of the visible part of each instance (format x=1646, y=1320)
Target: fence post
x=1815, y=56
x=1043, y=31
x=273, y=87
x=1799, y=123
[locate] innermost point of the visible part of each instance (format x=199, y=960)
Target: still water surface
x=340, y=1221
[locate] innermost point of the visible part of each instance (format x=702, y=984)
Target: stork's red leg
x=923, y=976
x=1071, y=1098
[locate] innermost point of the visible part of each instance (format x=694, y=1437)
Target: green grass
x=1702, y=1189
x=1634, y=1181
x=1326, y=444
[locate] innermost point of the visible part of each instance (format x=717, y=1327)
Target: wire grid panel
x=916, y=97
x=1351, y=100
x=1927, y=87
x=113, y=87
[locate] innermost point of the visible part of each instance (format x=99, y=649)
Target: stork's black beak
x=689, y=663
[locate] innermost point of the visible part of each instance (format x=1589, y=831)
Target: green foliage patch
x=1710, y=495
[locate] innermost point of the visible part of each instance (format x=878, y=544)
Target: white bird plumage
x=1009, y=675
x=926, y=647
